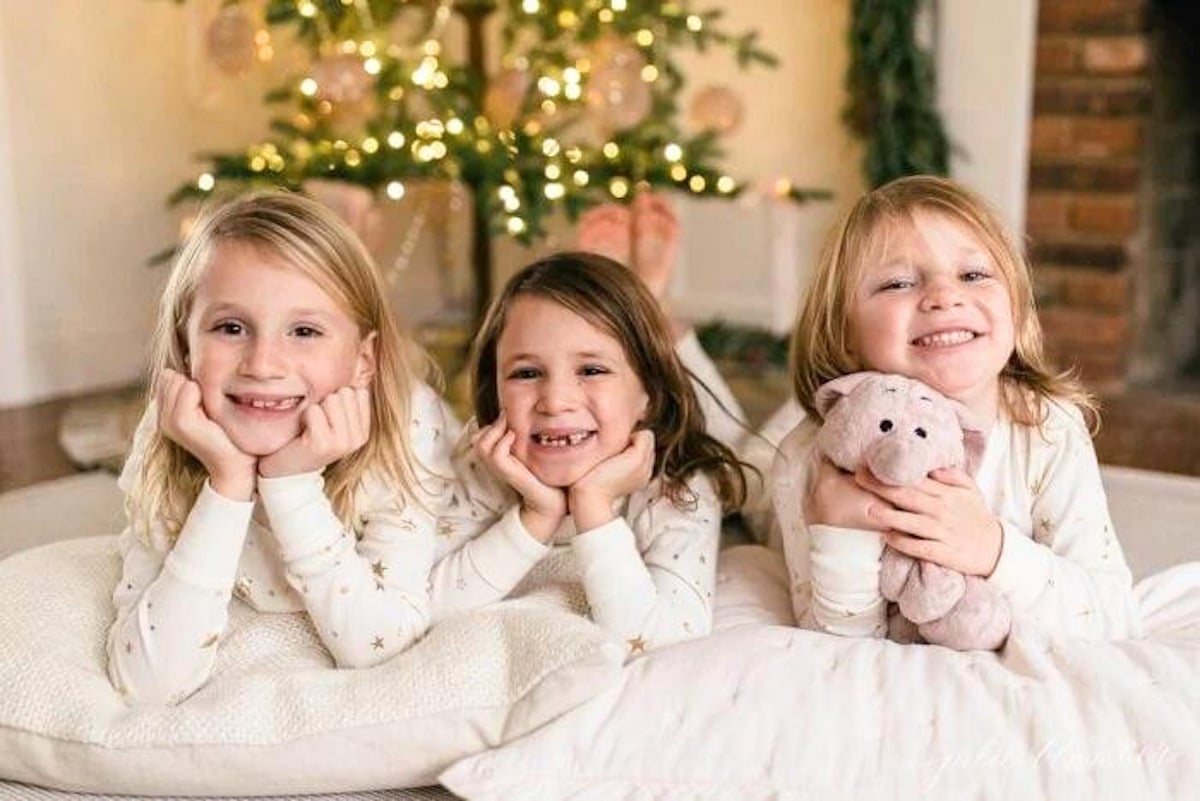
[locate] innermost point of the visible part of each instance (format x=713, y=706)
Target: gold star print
x=378, y=568
x=637, y=645
x=379, y=586
x=377, y=643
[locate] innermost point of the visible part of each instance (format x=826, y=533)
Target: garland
x=891, y=83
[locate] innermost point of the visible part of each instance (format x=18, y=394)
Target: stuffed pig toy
x=902, y=430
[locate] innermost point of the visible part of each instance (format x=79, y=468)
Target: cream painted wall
x=985, y=54
x=102, y=105
x=98, y=121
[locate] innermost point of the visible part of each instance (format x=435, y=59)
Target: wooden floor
x=1153, y=431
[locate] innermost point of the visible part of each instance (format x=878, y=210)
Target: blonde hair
x=315, y=242
x=614, y=300
x=820, y=343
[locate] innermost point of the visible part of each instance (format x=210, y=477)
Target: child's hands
x=338, y=425
x=944, y=520
x=591, y=497
x=542, y=507
x=835, y=499
x=182, y=419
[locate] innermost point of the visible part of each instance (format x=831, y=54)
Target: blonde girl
x=592, y=439
x=287, y=457
x=920, y=278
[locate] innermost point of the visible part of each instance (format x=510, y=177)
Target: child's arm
x=759, y=451
x=1071, y=576
x=833, y=570
x=172, y=600
x=367, y=596
x=655, y=586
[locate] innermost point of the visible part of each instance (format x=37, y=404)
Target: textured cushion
x=275, y=717
x=762, y=712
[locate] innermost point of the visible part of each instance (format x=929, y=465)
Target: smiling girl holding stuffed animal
x=592, y=438
x=919, y=278
x=291, y=456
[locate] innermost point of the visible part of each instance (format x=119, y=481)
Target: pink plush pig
x=902, y=430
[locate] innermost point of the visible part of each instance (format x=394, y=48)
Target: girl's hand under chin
x=944, y=520
x=591, y=497
x=337, y=426
x=182, y=419
x=542, y=507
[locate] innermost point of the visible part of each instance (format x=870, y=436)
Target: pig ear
x=974, y=436
x=831, y=392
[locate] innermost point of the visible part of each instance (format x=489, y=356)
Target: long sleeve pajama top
x=1061, y=566
x=368, y=591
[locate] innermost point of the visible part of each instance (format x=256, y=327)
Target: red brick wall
x=1091, y=105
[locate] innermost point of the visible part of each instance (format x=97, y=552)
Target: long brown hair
x=819, y=349
x=314, y=241
x=614, y=300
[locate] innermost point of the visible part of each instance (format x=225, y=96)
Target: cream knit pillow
x=275, y=717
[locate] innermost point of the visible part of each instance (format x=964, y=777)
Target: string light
x=605, y=15
x=644, y=37
x=308, y=87
x=580, y=178
x=548, y=86
x=553, y=172
x=649, y=73
x=567, y=18
x=694, y=23
x=515, y=226
x=367, y=49
x=530, y=6
x=611, y=150
x=554, y=191
x=372, y=66
x=395, y=140
x=679, y=172
x=454, y=126
x=725, y=184
x=206, y=182
x=619, y=5
x=618, y=187
x=395, y=190
x=673, y=152
x=551, y=148
x=307, y=9
x=697, y=183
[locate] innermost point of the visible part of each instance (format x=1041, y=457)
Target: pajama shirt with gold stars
x=1061, y=566
x=367, y=591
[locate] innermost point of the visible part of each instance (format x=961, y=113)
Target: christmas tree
x=583, y=108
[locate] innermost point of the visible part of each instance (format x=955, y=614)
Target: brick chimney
x=1113, y=189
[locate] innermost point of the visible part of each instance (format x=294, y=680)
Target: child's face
x=265, y=343
x=933, y=306
x=568, y=391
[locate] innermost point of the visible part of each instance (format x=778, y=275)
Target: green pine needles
x=891, y=82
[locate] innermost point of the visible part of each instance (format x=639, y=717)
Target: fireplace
x=1114, y=203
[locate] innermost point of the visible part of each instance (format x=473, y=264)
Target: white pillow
x=761, y=712
x=275, y=717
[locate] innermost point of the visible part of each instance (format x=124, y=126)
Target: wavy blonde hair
x=819, y=347
x=312, y=239
x=614, y=300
